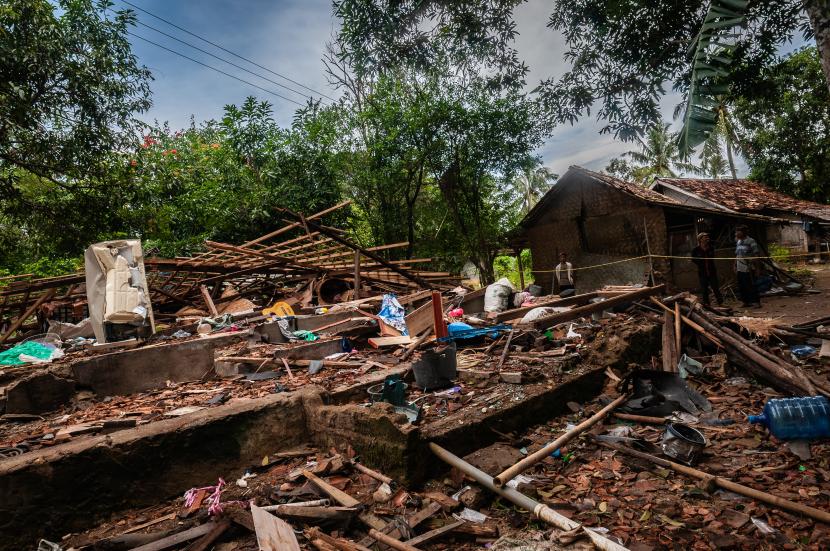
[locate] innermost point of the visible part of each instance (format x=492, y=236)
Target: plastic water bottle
x=804, y=418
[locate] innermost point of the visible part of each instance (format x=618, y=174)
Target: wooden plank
x=209, y=301
x=420, y=319
x=580, y=311
x=439, y=327
x=432, y=534
x=517, y=313
x=379, y=342
x=171, y=516
x=176, y=539
x=205, y=542
x=337, y=495
x=272, y=533
x=677, y=330
x=669, y=352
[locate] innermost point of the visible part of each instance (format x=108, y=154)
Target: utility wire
x=226, y=50
x=223, y=60
x=214, y=68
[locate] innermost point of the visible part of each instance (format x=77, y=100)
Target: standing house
x=614, y=225
x=802, y=223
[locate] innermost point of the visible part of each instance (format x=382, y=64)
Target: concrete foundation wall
x=69, y=487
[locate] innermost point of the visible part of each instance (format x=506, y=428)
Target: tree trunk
x=819, y=13
x=729, y=156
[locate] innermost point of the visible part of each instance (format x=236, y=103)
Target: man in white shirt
x=746, y=249
x=564, y=273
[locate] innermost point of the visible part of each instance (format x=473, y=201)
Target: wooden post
x=209, y=301
x=438, y=315
x=678, y=345
x=357, y=274
x=521, y=269
x=648, y=250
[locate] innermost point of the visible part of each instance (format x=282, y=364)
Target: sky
x=289, y=37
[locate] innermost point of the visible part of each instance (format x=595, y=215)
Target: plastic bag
x=497, y=295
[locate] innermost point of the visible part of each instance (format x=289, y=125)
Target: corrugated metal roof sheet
x=747, y=196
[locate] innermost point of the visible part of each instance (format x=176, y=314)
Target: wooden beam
x=439, y=327
x=178, y=538
x=366, y=252
x=553, y=319
x=554, y=302
x=209, y=301
x=357, y=274
x=29, y=311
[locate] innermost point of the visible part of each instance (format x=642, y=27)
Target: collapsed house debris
x=373, y=406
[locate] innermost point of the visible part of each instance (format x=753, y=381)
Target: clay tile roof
x=629, y=187
x=747, y=196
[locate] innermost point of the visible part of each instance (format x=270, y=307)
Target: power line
x=223, y=60
x=214, y=68
x=226, y=50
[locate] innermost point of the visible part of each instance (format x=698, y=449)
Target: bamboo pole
x=391, y=542
x=580, y=311
x=717, y=342
x=506, y=348
x=374, y=474
x=343, y=545
x=538, y=510
x=782, y=377
x=780, y=502
x=510, y=473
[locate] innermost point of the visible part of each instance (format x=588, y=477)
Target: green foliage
x=428, y=147
x=507, y=266
x=530, y=185
x=785, y=128
x=778, y=253
x=70, y=89
x=658, y=157
x=379, y=36
x=711, y=67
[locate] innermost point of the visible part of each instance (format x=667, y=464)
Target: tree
x=785, y=127
x=658, y=157
x=439, y=121
x=622, y=53
x=531, y=184
x=71, y=87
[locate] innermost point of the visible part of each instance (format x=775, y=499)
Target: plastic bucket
x=683, y=443
x=436, y=369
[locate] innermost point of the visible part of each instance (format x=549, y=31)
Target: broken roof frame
x=298, y=253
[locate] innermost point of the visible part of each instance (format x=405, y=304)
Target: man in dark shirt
x=703, y=257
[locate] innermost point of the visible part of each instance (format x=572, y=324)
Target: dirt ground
x=794, y=309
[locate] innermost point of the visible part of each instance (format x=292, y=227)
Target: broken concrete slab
x=38, y=393
x=146, y=368
x=103, y=474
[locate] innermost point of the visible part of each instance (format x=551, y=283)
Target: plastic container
x=804, y=418
x=436, y=369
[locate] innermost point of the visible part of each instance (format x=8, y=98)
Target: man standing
x=564, y=273
x=707, y=274
x=745, y=250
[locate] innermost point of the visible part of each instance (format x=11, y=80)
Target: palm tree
x=531, y=184
x=658, y=155
x=723, y=137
